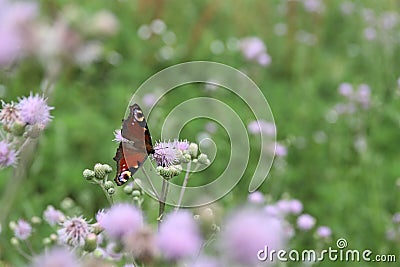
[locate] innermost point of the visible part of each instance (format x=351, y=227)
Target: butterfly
x=135, y=147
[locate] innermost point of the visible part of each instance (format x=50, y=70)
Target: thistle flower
x=324, y=232
x=121, y=219
x=305, y=222
x=118, y=136
x=22, y=230
x=8, y=156
x=60, y=257
x=9, y=114
x=165, y=154
x=74, y=231
x=53, y=216
x=182, y=145
x=141, y=244
x=34, y=110
x=246, y=232
x=179, y=236
x=256, y=197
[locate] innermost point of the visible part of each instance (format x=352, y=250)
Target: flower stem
x=185, y=181
x=109, y=197
x=164, y=191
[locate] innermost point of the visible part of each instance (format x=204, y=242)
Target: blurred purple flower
x=324, y=232
x=305, y=222
x=284, y=206
x=179, y=236
x=256, y=197
x=369, y=33
x=8, y=156
x=149, y=99
x=56, y=257
x=264, y=59
x=252, y=47
x=165, y=154
x=100, y=215
x=53, y=216
x=34, y=110
x=121, y=219
x=273, y=210
x=246, y=232
x=345, y=89
x=280, y=150
x=73, y=231
x=396, y=217
x=211, y=127
x=261, y=126
x=205, y=262
x=315, y=6
x=364, y=95
x=347, y=7
x=15, y=19
x=296, y=206
x=9, y=114
x=22, y=230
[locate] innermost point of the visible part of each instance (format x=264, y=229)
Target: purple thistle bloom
x=118, y=136
x=396, y=217
x=264, y=59
x=256, y=197
x=205, y=262
x=179, y=236
x=296, y=206
x=74, y=231
x=60, y=257
x=9, y=114
x=324, y=231
x=246, y=232
x=280, y=150
x=165, y=154
x=345, y=89
x=252, y=47
x=284, y=206
x=34, y=110
x=305, y=222
x=22, y=230
x=273, y=211
x=149, y=99
x=121, y=219
x=182, y=145
x=53, y=216
x=261, y=126
x=8, y=156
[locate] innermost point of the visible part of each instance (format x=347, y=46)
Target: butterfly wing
x=133, y=151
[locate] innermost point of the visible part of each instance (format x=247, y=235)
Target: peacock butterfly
x=135, y=147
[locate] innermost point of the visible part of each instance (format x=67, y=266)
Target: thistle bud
x=128, y=189
x=111, y=191
x=18, y=128
x=107, y=168
x=108, y=185
x=203, y=159
x=90, y=242
x=193, y=150
x=99, y=171
x=88, y=174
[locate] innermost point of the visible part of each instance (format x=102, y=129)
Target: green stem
x=185, y=181
x=164, y=191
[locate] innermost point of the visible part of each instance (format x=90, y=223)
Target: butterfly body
x=135, y=147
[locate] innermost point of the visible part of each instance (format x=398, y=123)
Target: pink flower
x=73, y=231
x=182, y=145
x=280, y=150
x=295, y=206
x=60, y=257
x=165, y=154
x=246, y=232
x=179, y=236
x=305, y=222
x=252, y=47
x=34, y=110
x=324, y=231
x=22, y=230
x=261, y=126
x=121, y=219
x=53, y=216
x=345, y=89
x=8, y=156
x=118, y=136
x=256, y=197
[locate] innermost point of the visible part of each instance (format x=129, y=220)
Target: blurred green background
x=351, y=189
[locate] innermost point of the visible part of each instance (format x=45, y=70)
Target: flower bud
x=108, y=185
x=18, y=128
x=193, y=150
x=90, y=242
x=12, y=225
x=97, y=229
x=203, y=159
x=33, y=131
x=36, y=220
x=99, y=171
x=111, y=191
x=175, y=170
x=53, y=237
x=14, y=241
x=67, y=203
x=136, y=193
x=88, y=174
x=107, y=168
x=128, y=189
x=46, y=241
